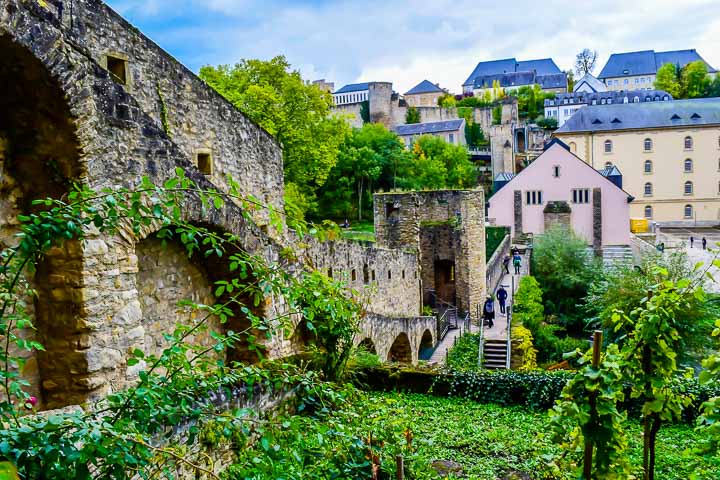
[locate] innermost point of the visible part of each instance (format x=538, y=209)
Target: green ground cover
x=487, y=441
x=359, y=231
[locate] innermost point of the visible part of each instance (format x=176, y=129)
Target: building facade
x=669, y=153
x=452, y=131
x=564, y=105
x=424, y=94
x=559, y=188
x=637, y=70
x=511, y=74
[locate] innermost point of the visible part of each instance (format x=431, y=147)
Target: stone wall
x=351, y=113
x=495, y=268
x=458, y=220
x=380, y=94
x=389, y=278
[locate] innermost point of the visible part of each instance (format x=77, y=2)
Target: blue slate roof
x=426, y=86
x=646, y=62
x=493, y=67
x=430, y=127
x=611, y=171
x=617, y=96
x=515, y=79
x=354, y=87
x=543, y=66
x=677, y=113
x=554, y=80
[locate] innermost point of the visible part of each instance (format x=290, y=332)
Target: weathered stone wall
x=389, y=278
x=495, y=268
x=380, y=94
x=350, y=112
x=399, y=221
x=166, y=276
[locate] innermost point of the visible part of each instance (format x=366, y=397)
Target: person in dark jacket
x=489, y=311
x=506, y=264
x=502, y=297
x=704, y=242
x=692, y=241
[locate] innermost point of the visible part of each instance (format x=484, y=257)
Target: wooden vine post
x=587, y=461
x=400, y=464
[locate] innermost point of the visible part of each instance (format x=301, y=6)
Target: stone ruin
x=87, y=98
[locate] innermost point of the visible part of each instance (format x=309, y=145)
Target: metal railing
x=443, y=326
x=481, y=342
x=508, y=314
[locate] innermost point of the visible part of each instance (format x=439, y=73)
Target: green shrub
x=464, y=354
x=535, y=389
x=565, y=268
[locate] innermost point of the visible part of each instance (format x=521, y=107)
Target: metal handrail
x=508, y=314
x=481, y=344
x=443, y=326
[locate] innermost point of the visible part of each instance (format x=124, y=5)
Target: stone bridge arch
x=383, y=332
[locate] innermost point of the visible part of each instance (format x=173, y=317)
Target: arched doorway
x=427, y=346
x=367, y=345
x=445, y=281
x=167, y=276
x=400, y=350
x=39, y=158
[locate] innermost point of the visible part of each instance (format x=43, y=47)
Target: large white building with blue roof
x=637, y=70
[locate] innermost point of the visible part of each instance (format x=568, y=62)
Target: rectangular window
x=581, y=195
x=118, y=69
x=533, y=197
x=642, y=80
x=451, y=138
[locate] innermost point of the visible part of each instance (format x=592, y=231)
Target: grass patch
x=487, y=441
x=360, y=231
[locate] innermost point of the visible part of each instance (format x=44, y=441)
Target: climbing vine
x=587, y=415
x=119, y=437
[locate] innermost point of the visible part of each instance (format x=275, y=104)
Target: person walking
x=502, y=297
x=506, y=264
x=516, y=263
x=489, y=311
x=704, y=242
x=692, y=240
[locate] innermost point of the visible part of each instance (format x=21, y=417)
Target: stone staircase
x=495, y=354
x=617, y=255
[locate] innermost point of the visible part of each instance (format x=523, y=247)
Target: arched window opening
x=608, y=146
x=648, y=189
x=688, y=188
x=688, y=143
x=648, y=211
x=648, y=166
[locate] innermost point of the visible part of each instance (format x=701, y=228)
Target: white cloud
x=406, y=41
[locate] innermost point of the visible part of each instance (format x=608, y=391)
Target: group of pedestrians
x=704, y=242
x=516, y=261
x=501, y=294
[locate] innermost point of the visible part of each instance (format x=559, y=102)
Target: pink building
x=559, y=188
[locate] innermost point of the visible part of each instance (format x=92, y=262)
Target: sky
x=407, y=41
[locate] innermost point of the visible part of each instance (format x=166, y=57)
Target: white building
x=352, y=93
x=564, y=105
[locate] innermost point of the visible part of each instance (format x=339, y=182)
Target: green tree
x=564, y=267
x=712, y=88
x=438, y=156
x=297, y=114
x=623, y=289
x=667, y=78
x=694, y=79
x=447, y=101
x=497, y=115
x=649, y=356
x=370, y=158
x=412, y=115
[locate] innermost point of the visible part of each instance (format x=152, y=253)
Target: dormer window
x=597, y=121
x=695, y=116
x=636, y=99
x=616, y=120
x=675, y=117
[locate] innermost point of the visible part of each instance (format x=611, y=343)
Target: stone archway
x=367, y=345
x=427, y=345
x=40, y=158
x=167, y=276
x=400, y=351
